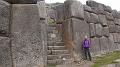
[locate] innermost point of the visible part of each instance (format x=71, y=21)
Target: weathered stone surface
x=60, y=13
x=94, y=10
x=73, y=9
x=98, y=30
x=87, y=8
x=119, y=39
x=112, y=46
x=115, y=14
x=115, y=37
x=94, y=18
x=87, y=16
x=4, y=18
x=102, y=20
x=5, y=52
x=95, y=46
x=42, y=9
x=92, y=29
x=27, y=44
x=117, y=27
x=109, y=16
x=105, y=31
x=92, y=3
x=104, y=44
x=107, y=8
x=117, y=21
x=101, y=9
x=80, y=30
x=112, y=27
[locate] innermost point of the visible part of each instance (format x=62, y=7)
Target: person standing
x=86, y=47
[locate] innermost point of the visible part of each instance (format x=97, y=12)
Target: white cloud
x=115, y=4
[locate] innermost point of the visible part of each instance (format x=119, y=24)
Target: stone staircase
x=56, y=49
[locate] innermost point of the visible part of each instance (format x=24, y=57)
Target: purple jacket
x=86, y=43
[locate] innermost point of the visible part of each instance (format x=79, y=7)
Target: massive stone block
x=98, y=30
x=92, y=29
x=4, y=18
x=115, y=14
x=112, y=46
x=27, y=36
x=73, y=9
x=112, y=27
x=102, y=20
x=104, y=44
x=117, y=27
x=117, y=21
x=101, y=9
x=42, y=9
x=107, y=8
x=60, y=13
x=5, y=52
x=87, y=16
x=92, y=3
x=105, y=31
x=115, y=37
x=95, y=46
x=109, y=16
x=94, y=18
x=87, y=8
x=80, y=30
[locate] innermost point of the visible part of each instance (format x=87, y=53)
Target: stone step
x=52, y=57
x=56, y=44
x=56, y=47
x=57, y=52
x=58, y=61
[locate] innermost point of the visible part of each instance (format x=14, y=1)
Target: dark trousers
x=87, y=53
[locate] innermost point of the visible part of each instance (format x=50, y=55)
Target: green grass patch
x=51, y=65
x=106, y=59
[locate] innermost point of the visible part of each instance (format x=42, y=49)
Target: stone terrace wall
x=96, y=20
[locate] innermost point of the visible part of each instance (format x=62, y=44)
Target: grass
x=51, y=65
x=107, y=59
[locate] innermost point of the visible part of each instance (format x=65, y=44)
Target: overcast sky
x=115, y=4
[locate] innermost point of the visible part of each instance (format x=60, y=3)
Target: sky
x=115, y=4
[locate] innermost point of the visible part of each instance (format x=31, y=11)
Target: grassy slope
x=106, y=59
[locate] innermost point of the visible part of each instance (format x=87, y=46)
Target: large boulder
x=105, y=31
x=104, y=45
x=59, y=14
x=95, y=46
x=112, y=46
x=98, y=30
x=109, y=16
x=28, y=32
x=94, y=18
x=5, y=52
x=73, y=9
x=87, y=16
x=92, y=29
x=80, y=30
x=112, y=27
x=107, y=8
x=4, y=18
x=115, y=14
x=102, y=20
x=92, y=3
x=87, y=8
x=117, y=21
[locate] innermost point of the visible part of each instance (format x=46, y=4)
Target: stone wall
x=22, y=34
x=96, y=20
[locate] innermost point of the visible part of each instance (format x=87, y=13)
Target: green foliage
x=107, y=59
